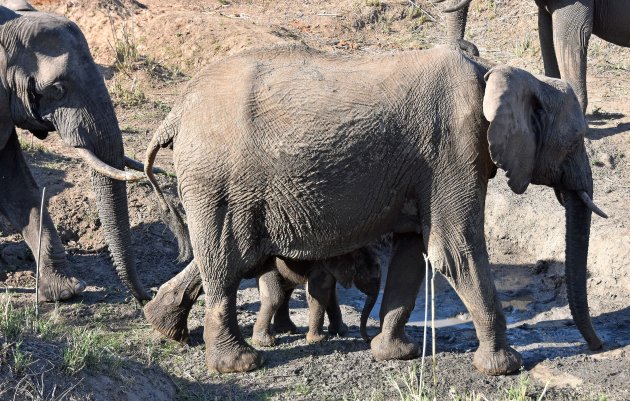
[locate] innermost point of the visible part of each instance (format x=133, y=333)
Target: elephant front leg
x=271, y=299
x=20, y=204
x=404, y=278
x=475, y=286
x=226, y=350
x=168, y=311
x=572, y=28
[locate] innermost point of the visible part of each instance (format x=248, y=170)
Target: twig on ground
x=39, y=252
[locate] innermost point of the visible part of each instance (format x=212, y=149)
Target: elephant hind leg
x=168, y=311
x=20, y=204
x=226, y=350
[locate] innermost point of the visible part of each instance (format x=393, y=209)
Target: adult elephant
x=294, y=153
x=564, y=29
x=49, y=82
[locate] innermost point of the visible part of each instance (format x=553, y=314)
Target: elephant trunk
x=365, y=313
x=578, y=225
x=105, y=144
x=111, y=199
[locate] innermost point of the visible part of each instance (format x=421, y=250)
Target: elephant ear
x=514, y=110
x=17, y=5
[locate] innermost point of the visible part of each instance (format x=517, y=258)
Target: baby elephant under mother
x=294, y=153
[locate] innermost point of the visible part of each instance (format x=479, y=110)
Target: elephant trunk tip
x=595, y=344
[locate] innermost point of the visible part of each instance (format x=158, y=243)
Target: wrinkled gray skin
x=49, y=82
x=565, y=28
x=294, y=153
x=361, y=267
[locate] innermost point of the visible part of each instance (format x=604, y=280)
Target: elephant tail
x=163, y=137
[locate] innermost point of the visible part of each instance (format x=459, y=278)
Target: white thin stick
x=426, y=316
x=433, y=329
x=39, y=252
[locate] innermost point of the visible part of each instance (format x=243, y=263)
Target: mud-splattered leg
x=168, y=311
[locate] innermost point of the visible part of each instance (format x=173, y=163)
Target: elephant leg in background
x=20, y=201
x=545, y=36
x=404, y=278
x=168, y=311
x=272, y=297
x=336, y=326
x=572, y=24
x=318, y=292
x=474, y=284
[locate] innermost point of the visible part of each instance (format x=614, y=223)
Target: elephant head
x=49, y=82
x=363, y=268
x=536, y=135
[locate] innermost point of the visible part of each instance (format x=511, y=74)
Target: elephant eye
x=55, y=91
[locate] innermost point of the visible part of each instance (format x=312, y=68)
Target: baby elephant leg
x=318, y=292
x=272, y=296
x=336, y=326
x=282, y=322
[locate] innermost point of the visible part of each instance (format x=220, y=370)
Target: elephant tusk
x=105, y=169
x=458, y=6
x=559, y=196
x=136, y=165
x=589, y=203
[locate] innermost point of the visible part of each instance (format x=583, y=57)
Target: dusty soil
x=170, y=40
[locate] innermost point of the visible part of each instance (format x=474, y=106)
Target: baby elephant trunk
x=368, y=281
x=365, y=314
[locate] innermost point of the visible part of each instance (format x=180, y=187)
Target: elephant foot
x=242, y=359
x=56, y=287
x=339, y=330
x=168, y=313
x=494, y=363
x=385, y=348
x=315, y=337
x=263, y=339
x=284, y=326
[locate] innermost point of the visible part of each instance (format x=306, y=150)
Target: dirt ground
x=165, y=42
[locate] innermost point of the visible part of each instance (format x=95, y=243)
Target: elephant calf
x=303, y=155
x=361, y=267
